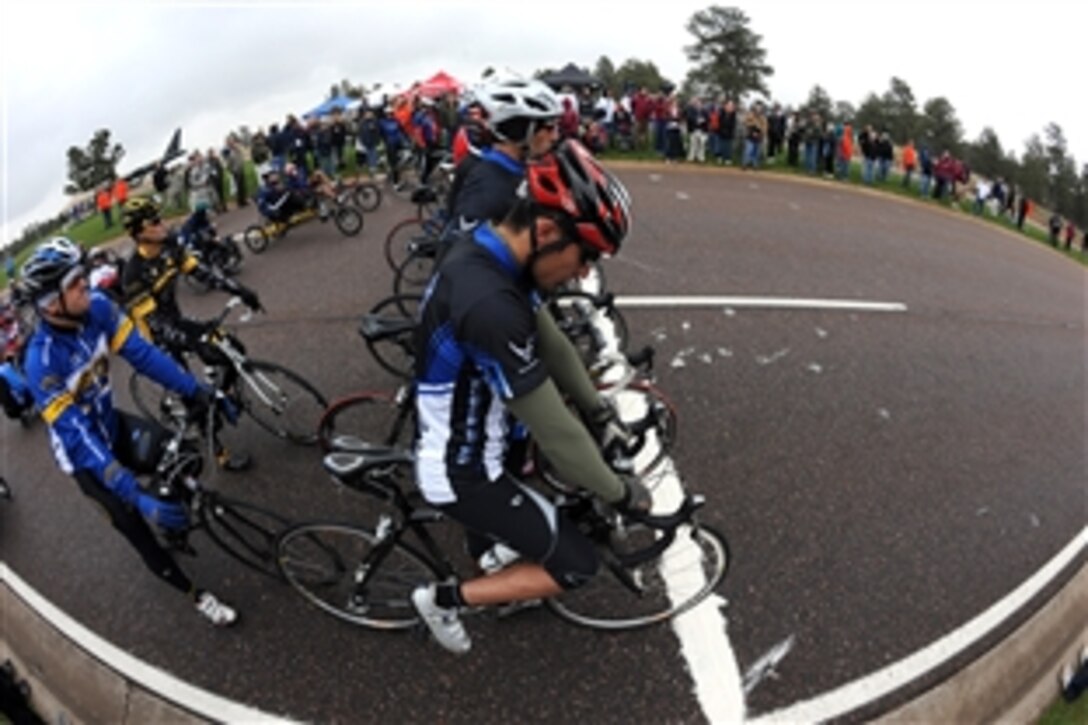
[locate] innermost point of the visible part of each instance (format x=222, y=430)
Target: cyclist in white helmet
x=520, y=117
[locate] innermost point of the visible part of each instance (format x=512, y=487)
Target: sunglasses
x=588, y=255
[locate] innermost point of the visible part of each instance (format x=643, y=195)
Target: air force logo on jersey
x=526, y=353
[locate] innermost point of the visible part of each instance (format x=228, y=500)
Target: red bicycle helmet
x=571, y=181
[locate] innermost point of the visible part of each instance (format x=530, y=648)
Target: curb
x=77, y=677
x=1017, y=679
x=1014, y=681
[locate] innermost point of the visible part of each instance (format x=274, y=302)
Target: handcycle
x=656, y=566
x=280, y=400
x=347, y=218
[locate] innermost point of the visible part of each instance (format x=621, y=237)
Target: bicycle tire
x=371, y=417
x=396, y=354
x=414, y=273
x=247, y=533
x=367, y=196
x=396, y=248
x=348, y=220
x=256, y=238
x=293, y=406
x=683, y=576
x=328, y=582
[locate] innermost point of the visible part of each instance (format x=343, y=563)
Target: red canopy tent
x=438, y=84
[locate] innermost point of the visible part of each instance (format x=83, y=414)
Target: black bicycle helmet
x=138, y=210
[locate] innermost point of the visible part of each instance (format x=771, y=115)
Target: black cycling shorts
x=511, y=512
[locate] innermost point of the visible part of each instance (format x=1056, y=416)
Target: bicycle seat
x=360, y=470
x=424, y=195
x=377, y=327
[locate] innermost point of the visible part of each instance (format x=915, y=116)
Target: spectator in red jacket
x=569, y=121
x=642, y=109
x=1070, y=233
x=104, y=201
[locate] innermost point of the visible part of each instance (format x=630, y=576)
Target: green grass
x=893, y=185
x=1066, y=713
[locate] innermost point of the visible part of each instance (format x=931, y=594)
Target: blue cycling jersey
x=68, y=375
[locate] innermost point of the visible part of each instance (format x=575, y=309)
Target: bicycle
x=656, y=567
x=280, y=400
x=348, y=220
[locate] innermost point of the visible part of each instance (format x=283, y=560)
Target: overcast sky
x=143, y=69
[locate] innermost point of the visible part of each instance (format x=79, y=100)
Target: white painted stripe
x=768, y=302
x=704, y=642
x=860, y=692
x=160, y=682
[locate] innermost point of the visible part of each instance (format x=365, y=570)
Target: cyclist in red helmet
x=485, y=348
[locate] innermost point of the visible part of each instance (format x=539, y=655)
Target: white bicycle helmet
x=514, y=107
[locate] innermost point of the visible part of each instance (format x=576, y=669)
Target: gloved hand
x=167, y=515
x=637, y=499
x=205, y=397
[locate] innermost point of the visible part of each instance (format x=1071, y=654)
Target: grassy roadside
x=1066, y=713
x=893, y=185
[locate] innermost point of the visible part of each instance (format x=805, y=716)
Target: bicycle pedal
x=509, y=609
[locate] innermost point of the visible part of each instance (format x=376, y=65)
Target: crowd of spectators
x=721, y=131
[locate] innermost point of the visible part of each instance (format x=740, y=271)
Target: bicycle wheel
x=255, y=238
x=400, y=241
x=396, y=353
x=683, y=576
x=281, y=401
x=367, y=196
x=348, y=220
x=321, y=562
x=247, y=533
x=377, y=418
x=414, y=273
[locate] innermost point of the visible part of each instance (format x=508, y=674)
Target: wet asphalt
x=882, y=476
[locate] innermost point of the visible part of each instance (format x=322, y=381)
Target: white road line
x=768, y=302
x=189, y=697
x=860, y=692
x=704, y=642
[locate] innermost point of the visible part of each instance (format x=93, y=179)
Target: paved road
x=883, y=477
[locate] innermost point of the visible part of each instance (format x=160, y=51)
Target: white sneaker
x=1065, y=677
x=218, y=613
x=444, y=623
x=496, y=558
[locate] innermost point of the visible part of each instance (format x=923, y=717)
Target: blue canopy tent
x=336, y=103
